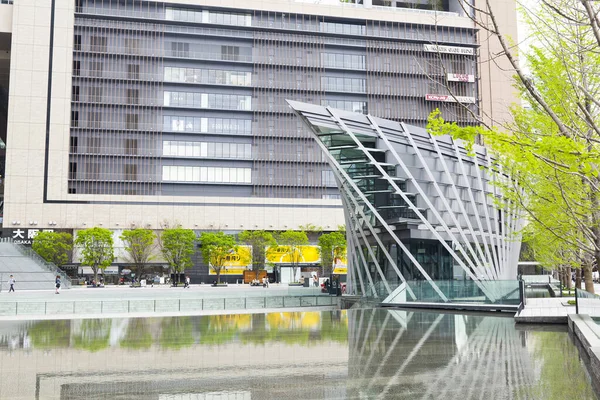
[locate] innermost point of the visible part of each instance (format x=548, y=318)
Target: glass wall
x=177, y=173
x=207, y=149
x=180, y=123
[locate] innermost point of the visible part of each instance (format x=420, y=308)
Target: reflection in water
x=355, y=354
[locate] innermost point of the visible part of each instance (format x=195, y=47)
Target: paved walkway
x=157, y=292
x=545, y=310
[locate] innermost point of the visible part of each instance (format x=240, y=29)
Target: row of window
x=346, y=29
x=207, y=17
x=207, y=76
x=344, y=84
x=346, y=105
x=208, y=100
x=340, y=60
x=177, y=123
x=207, y=149
x=176, y=173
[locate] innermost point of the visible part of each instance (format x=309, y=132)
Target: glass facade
x=154, y=83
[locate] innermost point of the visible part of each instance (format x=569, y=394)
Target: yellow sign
x=304, y=255
x=236, y=263
x=340, y=264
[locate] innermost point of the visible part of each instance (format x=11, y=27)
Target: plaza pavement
x=157, y=292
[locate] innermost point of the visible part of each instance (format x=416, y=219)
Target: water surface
x=354, y=354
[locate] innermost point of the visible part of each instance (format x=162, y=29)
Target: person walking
x=57, y=284
x=11, y=282
x=187, y=282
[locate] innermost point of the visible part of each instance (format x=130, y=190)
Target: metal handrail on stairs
x=50, y=267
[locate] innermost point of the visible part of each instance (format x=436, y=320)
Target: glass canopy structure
x=424, y=215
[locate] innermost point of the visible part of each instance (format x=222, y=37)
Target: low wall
x=587, y=331
x=164, y=306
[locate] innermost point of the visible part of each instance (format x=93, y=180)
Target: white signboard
x=433, y=48
x=461, y=78
x=449, y=99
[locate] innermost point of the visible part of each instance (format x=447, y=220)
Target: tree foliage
x=54, y=247
x=177, y=246
x=96, y=245
x=260, y=241
x=139, y=246
x=216, y=246
x=332, y=247
x=292, y=242
x=551, y=148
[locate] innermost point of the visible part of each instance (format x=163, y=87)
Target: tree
x=139, y=246
x=54, y=247
x=292, y=242
x=260, y=241
x=215, y=249
x=96, y=246
x=551, y=149
x=177, y=246
x=332, y=247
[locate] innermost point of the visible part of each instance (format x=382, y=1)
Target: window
x=231, y=53
x=131, y=146
x=73, y=144
x=95, y=94
x=132, y=45
x=98, y=43
x=133, y=71
x=130, y=172
x=93, y=119
x=180, y=49
x=72, y=170
x=96, y=68
x=75, y=93
x=77, y=43
x=133, y=96
x=94, y=145
x=75, y=118
x=76, y=68
x=131, y=121
x=207, y=174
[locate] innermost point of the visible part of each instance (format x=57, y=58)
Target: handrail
x=51, y=267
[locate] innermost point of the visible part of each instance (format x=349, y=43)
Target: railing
x=177, y=305
x=587, y=303
x=50, y=267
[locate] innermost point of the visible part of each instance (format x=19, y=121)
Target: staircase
x=30, y=271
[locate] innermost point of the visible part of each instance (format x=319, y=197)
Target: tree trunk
x=578, y=278
x=95, y=269
x=218, y=271
x=569, y=280
x=589, y=283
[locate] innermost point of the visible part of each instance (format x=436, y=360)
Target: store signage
x=461, y=78
x=22, y=235
x=450, y=99
x=433, y=48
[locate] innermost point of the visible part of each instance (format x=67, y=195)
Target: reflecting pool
x=354, y=354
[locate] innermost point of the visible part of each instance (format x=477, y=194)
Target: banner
x=461, y=78
x=450, y=99
x=340, y=264
x=282, y=255
x=237, y=262
x=432, y=48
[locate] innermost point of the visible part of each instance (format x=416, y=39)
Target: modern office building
x=418, y=208
x=138, y=113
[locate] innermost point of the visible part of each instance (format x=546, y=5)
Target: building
x=136, y=112
x=419, y=209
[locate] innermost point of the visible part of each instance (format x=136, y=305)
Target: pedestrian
x=187, y=282
x=11, y=282
x=57, y=284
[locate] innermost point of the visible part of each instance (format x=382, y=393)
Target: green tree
x=260, y=241
x=551, y=148
x=215, y=249
x=332, y=246
x=54, y=247
x=177, y=246
x=139, y=246
x=96, y=245
x=292, y=242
